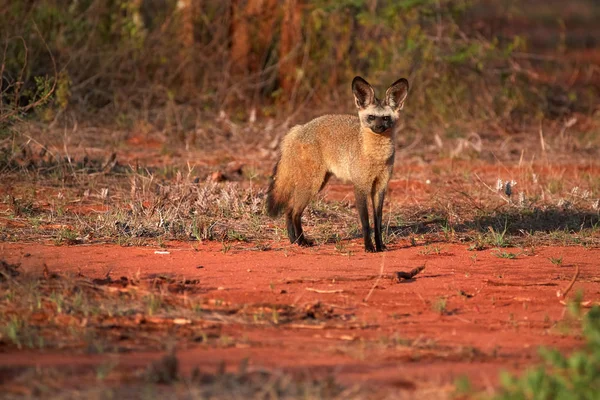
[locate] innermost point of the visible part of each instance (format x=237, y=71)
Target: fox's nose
x=381, y=128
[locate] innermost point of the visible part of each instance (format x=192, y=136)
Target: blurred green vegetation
x=561, y=377
x=120, y=61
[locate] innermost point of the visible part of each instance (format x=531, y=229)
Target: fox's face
x=379, y=116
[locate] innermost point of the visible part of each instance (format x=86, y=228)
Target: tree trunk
x=186, y=10
x=240, y=38
x=289, y=45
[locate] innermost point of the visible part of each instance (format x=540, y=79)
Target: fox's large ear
x=396, y=94
x=364, y=95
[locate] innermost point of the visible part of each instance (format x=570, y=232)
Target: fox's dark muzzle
x=380, y=124
x=380, y=128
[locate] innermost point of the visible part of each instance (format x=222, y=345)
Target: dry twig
x=377, y=280
x=47, y=95
x=563, y=294
x=324, y=291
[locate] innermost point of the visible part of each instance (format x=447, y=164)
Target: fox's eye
x=386, y=118
x=371, y=118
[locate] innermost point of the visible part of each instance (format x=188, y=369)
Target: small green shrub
x=560, y=377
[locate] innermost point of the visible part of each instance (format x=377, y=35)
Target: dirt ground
x=330, y=311
x=467, y=314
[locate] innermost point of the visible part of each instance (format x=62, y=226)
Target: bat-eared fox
x=359, y=149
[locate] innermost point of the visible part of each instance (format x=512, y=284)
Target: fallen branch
x=496, y=283
x=563, y=294
x=377, y=280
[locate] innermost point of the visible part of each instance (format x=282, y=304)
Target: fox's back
x=333, y=139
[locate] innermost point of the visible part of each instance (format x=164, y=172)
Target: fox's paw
x=303, y=242
x=369, y=248
x=381, y=248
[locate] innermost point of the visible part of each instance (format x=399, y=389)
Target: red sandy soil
x=498, y=311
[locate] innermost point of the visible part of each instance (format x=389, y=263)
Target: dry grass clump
x=84, y=315
x=92, y=316
x=187, y=210
x=141, y=208
x=70, y=199
x=112, y=380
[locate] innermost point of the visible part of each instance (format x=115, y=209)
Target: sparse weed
x=478, y=244
x=226, y=341
x=20, y=207
x=555, y=185
x=225, y=247
x=439, y=305
x=263, y=246
x=462, y=386
x=564, y=236
x=556, y=260
x=498, y=239
x=21, y=334
x=237, y=236
x=153, y=303
x=58, y=299
x=66, y=236
x=505, y=254
x=448, y=230
x=13, y=329
x=431, y=250
x=105, y=368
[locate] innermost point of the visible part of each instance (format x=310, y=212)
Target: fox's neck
x=378, y=146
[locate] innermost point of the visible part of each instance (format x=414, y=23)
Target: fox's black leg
x=363, y=213
x=290, y=227
x=300, y=238
x=325, y=180
x=377, y=216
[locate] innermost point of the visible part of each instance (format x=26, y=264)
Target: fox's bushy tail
x=277, y=198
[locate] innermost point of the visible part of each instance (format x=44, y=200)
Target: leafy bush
x=560, y=377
